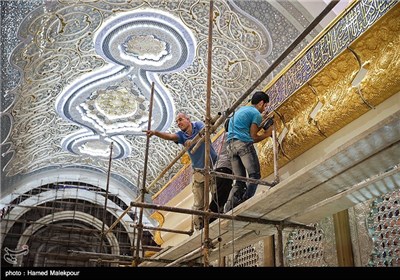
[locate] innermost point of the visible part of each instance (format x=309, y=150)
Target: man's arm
x=162, y=135
x=259, y=137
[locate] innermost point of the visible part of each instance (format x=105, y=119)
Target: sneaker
x=198, y=223
x=230, y=204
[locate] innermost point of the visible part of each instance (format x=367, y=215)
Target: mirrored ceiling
x=77, y=76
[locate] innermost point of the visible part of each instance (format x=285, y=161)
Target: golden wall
x=332, y=98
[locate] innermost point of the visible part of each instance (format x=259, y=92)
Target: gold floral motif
x=342, y=103
x=185, y=159
x=160, y=219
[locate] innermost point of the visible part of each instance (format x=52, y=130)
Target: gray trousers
x=198, y=196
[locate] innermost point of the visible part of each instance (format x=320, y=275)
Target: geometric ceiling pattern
x=79, y=77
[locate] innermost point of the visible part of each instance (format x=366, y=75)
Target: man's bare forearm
x=162, y=135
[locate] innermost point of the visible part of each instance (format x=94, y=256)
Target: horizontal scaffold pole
x=194, y=254
x=103, y=257
x=242, y=179
x=221, y=216
x=190, y=232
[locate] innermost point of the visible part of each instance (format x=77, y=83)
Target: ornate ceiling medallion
x=146, y=48
x=113, y=102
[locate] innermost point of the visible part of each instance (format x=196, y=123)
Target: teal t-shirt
x=240, y=122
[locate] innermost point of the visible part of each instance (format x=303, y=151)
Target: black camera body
x=268, y=123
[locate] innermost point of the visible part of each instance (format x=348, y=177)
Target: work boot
x=231, y=203
x=234, y=199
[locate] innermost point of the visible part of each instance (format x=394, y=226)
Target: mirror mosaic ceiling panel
x=78, y=76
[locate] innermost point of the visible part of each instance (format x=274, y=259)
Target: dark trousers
x=224, y=186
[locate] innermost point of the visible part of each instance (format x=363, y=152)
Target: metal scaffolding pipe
x=104, y=255
x=123, y=263
x=190, y=232
x=113, y=256
x=275, y=153
x=222, y=216
x=207, y=143
x=64, y=228
x=82, y=242
x=13, y=205
x=242, y=179
x=76, y=253
x=106, y=197
x=194, y=253
x=143, y=190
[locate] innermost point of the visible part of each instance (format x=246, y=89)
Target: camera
x=268, y=123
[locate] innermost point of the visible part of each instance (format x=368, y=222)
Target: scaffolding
x=211, y=125
x=43, y=226
x=132, y=247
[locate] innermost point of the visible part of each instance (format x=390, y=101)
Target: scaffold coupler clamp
x=274, y=183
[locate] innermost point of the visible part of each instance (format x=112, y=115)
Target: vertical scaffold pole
x=207, y=176
x=143, y=190
x=275, y=152
x=135, y=220
x=106, y=198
